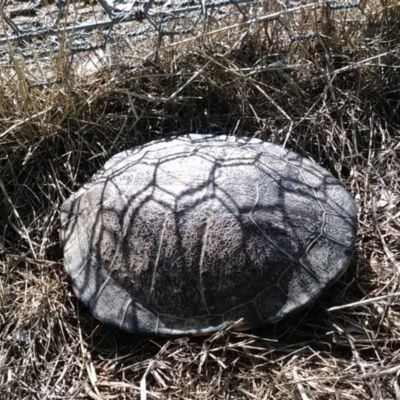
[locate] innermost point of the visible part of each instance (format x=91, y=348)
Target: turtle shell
x=184, y=235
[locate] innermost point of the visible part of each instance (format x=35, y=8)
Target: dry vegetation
x=335, y=98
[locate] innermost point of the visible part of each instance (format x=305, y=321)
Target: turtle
x=186, y=235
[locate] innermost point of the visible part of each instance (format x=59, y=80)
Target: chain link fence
x=44, y=29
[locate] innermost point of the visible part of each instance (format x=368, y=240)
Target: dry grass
x=337, y=99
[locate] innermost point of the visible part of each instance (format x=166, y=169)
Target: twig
x=363, y=302
x=300, y=387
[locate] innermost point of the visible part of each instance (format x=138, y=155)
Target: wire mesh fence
x=106, y=30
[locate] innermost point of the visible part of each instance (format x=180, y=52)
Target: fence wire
x=41, y=29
